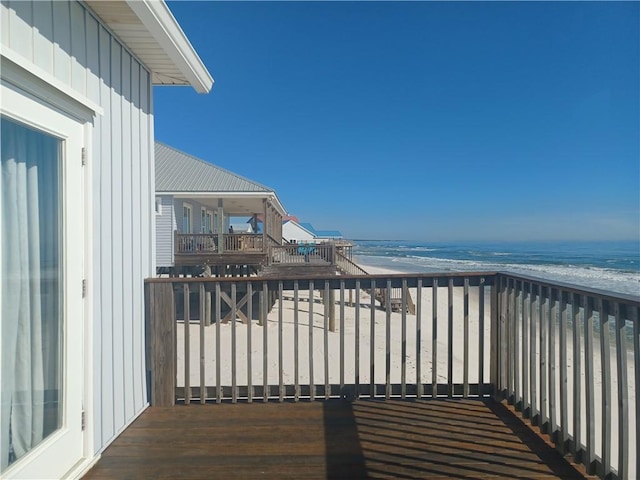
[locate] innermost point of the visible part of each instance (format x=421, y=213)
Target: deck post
x=161, y=343
x=220, y=227
x=264, y=225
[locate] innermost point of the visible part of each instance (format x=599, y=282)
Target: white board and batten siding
x=65, y=40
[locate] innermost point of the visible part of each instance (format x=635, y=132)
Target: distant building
x=293, y=232
x=197, y=203
x=322, y=234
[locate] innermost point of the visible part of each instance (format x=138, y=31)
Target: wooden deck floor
x=333, y=439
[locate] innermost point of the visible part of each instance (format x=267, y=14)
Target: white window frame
x=189, y=207
x=66, y=447
x=210, y=216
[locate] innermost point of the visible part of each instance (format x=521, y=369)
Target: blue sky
x=422, y=120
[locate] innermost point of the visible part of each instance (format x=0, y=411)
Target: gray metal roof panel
x=177, y=171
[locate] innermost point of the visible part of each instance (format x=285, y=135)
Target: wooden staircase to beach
x=326, y=261
x=348, y=267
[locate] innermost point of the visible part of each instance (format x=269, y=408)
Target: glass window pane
x=31, y=302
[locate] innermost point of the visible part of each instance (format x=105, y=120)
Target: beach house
x=293, y=232
x=197, y=206
x=77, y=234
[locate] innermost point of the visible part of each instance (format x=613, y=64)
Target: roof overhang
x=151, y=32
x=244, y=202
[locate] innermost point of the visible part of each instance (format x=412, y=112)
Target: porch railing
x=203, y=243
x=567, y=357
x=302, y=254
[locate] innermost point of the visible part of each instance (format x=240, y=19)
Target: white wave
x=593, y=277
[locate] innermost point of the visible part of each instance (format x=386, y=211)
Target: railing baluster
x=341, y=335
x=605, y=359
x=387, y=376
x=357, y=340
x=552, y=363
x=510, y=351
x=296, y=353
x=564, y=377
x=495, y=354
x=403, y=373
x=249, y=342
x=419, y=339
x=481, y=359
x=526, y=407
x=589, y=353
x=234, y=360
x=577, y=372
x=543, y=314
x=264, y=308
x=505, y=339
x=465, y=374
x=623, y=404
x=634, y=317
x=434, y=339
x=533, y=342
x=372, y=342
x=327, y=307
x=202, y=359
x=187, y=345
x=218, y=362
x=280, y=345
x=312, y=388
x=450, y=338
x=517, y=351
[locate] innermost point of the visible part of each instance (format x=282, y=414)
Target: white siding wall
x=68, y=42
x=165, y=226
x=291, y=232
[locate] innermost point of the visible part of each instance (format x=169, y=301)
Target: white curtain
x=31, y=282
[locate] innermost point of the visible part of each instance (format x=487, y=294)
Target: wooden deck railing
x=203, y=243
x=302, y=254
x=564, y=360
x=567, y=357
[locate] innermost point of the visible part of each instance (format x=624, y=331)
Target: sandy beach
x=326, y=350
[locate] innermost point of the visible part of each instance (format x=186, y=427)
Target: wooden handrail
x=347, y=266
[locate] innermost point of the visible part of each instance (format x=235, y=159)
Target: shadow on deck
x=333, y=439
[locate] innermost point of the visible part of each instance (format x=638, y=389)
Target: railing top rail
x=376, y=277
x=578, y=289
x=545, y=283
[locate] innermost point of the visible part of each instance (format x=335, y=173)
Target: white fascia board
x=278, y=204
x=158, y=19
x=269, y=195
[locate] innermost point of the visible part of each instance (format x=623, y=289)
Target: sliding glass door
x=40, y=299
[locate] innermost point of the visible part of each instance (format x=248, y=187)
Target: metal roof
x=328, y=233
x=308, y=227
x=179, y=172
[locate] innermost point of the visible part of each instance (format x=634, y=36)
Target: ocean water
x=612, y=266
